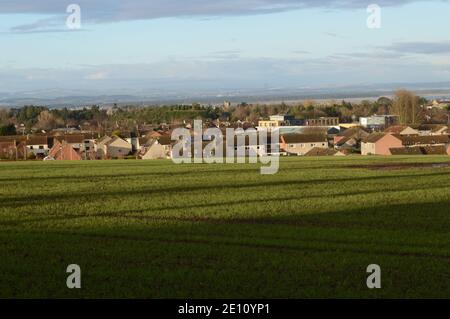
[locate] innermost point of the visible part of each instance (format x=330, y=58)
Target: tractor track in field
x=256, y=245
x=400, y=166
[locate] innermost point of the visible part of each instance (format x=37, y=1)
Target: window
x=31, y=147
x=41, y=147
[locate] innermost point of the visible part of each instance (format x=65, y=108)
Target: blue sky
x=221, y=44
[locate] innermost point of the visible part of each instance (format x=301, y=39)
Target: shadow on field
x=55, y=197
x=190, y=209
x=66, y=178
x=286, y=256
x=209, y=249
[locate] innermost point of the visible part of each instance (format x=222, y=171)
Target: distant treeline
x=405, y=104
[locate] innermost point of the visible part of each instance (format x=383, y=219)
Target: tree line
x=406, y=105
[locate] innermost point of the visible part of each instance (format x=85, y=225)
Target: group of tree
x=7, y=130
x=409, y=108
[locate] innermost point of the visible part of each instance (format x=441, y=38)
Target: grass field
x=157, y=230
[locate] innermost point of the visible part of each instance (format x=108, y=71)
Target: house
x=113, y=147
x=63, y=151
x=253, y=145
x=440, y=130
x=8, y=150
x=133, y=139
x=83, y=144
x=431, y=140
x=318, y=151
x=101, y=147
x=433, y=129
x=442, y=104
x=380, y=144
x=383, y=144
x=350, y=139
x=89, y=144
x=76, y=141
x=158, y=148
x=401, y=130
x=300, y=144
x=13, y=147
x=117, y=147
x=38, y=145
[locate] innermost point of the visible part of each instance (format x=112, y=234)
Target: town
x=198, y=155
x=406, y=125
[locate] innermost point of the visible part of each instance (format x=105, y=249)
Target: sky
x=179, y=45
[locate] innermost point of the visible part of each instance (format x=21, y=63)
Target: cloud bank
x=105, y=11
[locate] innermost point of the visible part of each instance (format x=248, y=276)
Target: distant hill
x=64, y=98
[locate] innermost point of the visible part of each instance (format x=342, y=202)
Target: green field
x=160, y=230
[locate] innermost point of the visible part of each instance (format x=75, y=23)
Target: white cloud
x=98, y=11
x=97, y=76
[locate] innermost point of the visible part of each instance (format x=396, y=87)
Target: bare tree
x=407, y=107
x=4, y=116
x=48, y=121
